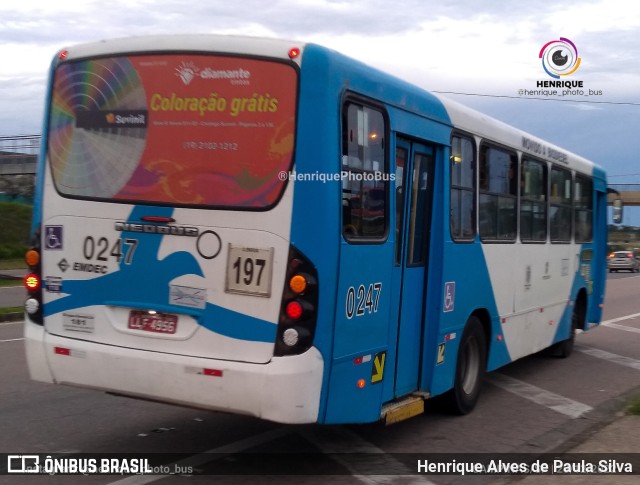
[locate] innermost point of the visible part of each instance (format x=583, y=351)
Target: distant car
x=623, y=260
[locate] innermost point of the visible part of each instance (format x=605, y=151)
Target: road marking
x=558, y=403
x=619, y=319
x=615, y=358
x=612, y=323
x=5, y=324
x=12, y=340
x=334, y=441
x=203, y=458
x=622, y=327
x=338, y=441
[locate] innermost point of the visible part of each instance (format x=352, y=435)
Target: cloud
x=459, y=45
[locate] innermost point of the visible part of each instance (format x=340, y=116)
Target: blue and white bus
x=270, y=228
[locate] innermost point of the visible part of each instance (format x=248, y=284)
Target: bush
x=14, y=234
x=634, y=406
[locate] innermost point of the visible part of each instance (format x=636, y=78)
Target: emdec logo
x=559, y=58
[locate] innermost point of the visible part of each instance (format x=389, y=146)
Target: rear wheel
x=470, y=368
x=564, y=348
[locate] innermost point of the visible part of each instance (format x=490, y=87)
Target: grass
x=7, y=283
x=634, y=406
x=13, y=263
x=14, y=235
x=11, y=309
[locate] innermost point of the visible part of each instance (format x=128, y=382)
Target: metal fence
x=19, y=145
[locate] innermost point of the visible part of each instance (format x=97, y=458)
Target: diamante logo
x=187, y=71
x=559, y=58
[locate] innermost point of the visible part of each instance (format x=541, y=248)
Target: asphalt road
x=12, y=296
x=536, y=404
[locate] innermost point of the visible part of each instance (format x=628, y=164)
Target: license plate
x=153, y=322
x=249, y=270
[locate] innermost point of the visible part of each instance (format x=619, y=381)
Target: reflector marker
x=69, y=352
x=204, y=372
x=362, y=359
x=212, y=372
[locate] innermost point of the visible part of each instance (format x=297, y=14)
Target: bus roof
x=476, y=123
x=232, y=44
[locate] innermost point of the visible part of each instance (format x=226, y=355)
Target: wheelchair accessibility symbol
x=449, y=296
x=53, y=237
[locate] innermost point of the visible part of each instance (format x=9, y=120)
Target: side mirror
x=616, y=204
x=617, y=211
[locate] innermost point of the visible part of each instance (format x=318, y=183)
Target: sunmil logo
x=96, y=119
x=559, y=58
x=129, y=119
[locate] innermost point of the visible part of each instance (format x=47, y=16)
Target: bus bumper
x=284, y=390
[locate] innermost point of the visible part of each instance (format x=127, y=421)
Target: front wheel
x=470, y=368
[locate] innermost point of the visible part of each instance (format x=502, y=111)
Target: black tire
x=471, y=365
x=564, y=348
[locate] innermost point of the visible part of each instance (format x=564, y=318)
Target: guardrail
x=18, y=154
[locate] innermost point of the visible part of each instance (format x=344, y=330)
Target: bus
x=270, y=228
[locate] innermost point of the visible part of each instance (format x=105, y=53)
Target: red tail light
x=298, y=311
x=294, y=310
x=32, y=282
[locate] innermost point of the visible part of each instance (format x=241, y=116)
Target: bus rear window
x=173, y=129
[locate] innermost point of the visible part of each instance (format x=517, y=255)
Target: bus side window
x=533, y=206
x=364, y=188
x=583, y=209
x=462, y=195
x=560, y=205
x=498, y=194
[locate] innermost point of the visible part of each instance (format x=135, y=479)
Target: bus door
x=414, y=193
x=594, y=269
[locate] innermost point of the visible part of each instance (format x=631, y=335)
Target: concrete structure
x=630, y=193
x=18, y=154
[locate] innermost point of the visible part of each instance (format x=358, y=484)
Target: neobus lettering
x=157, y=229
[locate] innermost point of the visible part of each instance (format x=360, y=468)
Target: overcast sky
x=463, y=46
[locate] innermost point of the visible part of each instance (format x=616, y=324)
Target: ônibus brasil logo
x=559, y=58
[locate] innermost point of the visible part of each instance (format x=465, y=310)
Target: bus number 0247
x=363, y=300
x=101, y=249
